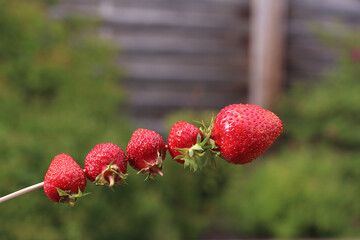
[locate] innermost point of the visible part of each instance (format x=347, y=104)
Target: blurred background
x=81, y=72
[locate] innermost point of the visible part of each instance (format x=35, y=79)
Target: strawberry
x=242, y=132
x=146, y=151
x=65, y=180
x=182, y=135
x=186, y=145
x=106, y=165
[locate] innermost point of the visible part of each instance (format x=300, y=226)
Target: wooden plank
x=144, y=111
x=153, y=110
x=131, y=29
x=214, y=7
x=296, y=77
x=309, y=46
x=180, y=43
x=153, y=123
x=238, y=86
x=310, y=27
x=152, y=15
x=231, y=63
x=127, y=28
x=325, y=13
x=201, y=4
x=309, y=65
x=150, y=71
x=322, y=8
x=195, y=96
x=310, y=53
x=147, y=17
x=71, y=8
x=235, y=80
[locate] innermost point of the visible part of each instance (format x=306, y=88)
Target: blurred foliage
x=59, y=93
x=331, y=111
x=190, y=116
x=199, y=193
x=307, y=183
x=310, y=187
x=300, y=192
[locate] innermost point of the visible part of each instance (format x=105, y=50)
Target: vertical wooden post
x=266, y=50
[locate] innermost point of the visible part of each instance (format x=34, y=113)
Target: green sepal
x=111, y=176
x=179, y=157
x=154, y=169
x=69, y=197
x=201, y=153
x=191, y=153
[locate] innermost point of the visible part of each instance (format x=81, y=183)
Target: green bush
x=310, y=187
x=304, y=192
x=328, y=112
x=59, y=93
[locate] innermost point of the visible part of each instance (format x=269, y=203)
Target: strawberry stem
x=157, y=170
x=21, y=192
x=111, y=180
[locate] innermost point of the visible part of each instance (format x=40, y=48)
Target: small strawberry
x=65, y=180
x=106, y=165
x=146, y=151
x=187, y=146
x=182, y=135
x=242, y=132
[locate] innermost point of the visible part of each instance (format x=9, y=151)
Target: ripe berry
x=65, y=180
x=186, y=145
x=106, y=165
x=242, y=132
x=146, y=151
x=182, y=135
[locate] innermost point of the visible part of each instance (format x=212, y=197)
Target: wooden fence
x=176, y=54
x=307, y=57
x=195, y=53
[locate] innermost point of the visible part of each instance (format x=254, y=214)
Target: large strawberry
x=146, y=151
x=106, y=164
x=242, y=132
x=65, y=180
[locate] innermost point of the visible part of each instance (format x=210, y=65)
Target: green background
x=60, y=93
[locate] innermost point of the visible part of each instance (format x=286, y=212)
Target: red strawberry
x=65, y=180
x=243, y=132
x=182, y=135
x=146, y=151
x=186, y=145
x=106, y=164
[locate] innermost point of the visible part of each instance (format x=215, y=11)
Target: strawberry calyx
x=153, y=169
x=211, y=149
x=193, y=156
x=111, y=176
x=67, y=196
x=204, y=151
